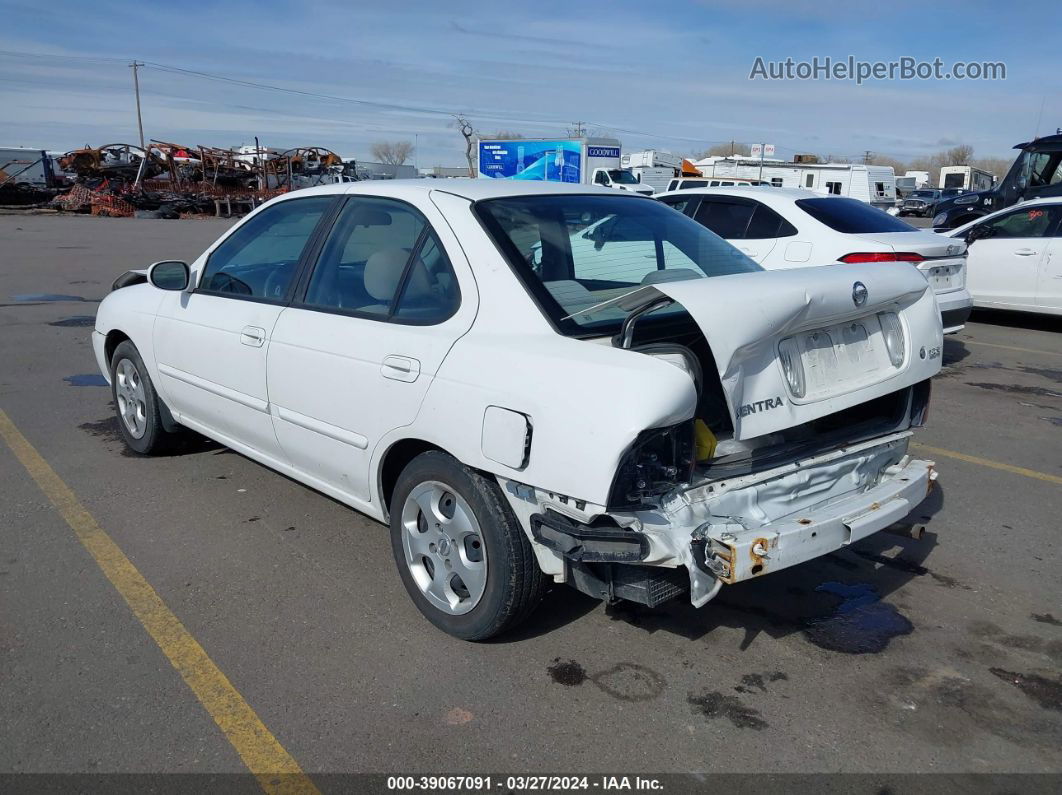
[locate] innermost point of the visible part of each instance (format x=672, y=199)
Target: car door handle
x=1025, y=252
x=400, y=368
x=253, y=336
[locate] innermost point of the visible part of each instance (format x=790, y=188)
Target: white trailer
x=875, y=185
x=657, y=178
x=965, y=177
x=653, y=167
x=651, y=158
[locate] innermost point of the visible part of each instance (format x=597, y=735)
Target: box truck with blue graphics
x=588, y=161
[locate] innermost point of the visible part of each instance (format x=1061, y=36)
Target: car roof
x=468, y=188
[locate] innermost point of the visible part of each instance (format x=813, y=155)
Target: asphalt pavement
x=893, y=655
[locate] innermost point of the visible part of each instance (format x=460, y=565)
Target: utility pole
x=580, y=131
x=866, y=156
x=139, y=123
x=136, y=87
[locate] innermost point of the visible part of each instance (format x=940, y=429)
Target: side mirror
x=170, y=274
x=975, y=233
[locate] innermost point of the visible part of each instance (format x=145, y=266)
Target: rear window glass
x=852, y=216
x=574, y=252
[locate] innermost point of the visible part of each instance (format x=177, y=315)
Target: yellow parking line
x=1012, y=348
x=985, y=462
x=265, y=757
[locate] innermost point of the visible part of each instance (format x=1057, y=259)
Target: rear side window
x=382, y=260
x=852, y=216
x=693, y=183
x=766, y=223
x=259, y=259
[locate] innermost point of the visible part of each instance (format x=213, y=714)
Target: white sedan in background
x=1014, y=257
x=785, y=228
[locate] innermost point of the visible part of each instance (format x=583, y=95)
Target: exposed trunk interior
x=889, y=413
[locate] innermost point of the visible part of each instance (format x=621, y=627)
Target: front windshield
x=576, y=251
x=622, y=177
x=923, y=194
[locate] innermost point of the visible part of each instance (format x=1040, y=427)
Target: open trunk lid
x=829, y=320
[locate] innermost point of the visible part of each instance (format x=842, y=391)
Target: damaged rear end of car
x=809, y=384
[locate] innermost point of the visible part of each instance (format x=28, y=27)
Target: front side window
x=576, y=251
x=622, y=177
x=1045, y=169
x=260, y=258
x=383, y=260
x=729, y=220
x=1031, y=222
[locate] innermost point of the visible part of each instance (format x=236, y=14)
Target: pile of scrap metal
x=169, y=180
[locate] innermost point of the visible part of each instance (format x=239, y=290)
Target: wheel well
x=395, y=460
x=114, y=339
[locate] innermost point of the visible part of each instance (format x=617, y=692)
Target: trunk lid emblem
x=859, y=293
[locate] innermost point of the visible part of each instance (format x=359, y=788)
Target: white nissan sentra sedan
x=441, y=357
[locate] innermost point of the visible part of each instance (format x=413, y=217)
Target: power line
x=367, y=103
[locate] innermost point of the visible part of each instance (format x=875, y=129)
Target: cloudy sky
x=671, y=75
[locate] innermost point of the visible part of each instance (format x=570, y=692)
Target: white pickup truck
x=534, y=382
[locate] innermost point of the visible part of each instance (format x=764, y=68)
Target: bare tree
x=507, y=135
x=957, y=156
x=898, y=166
x=393, y=153
x=466, y=129
x=998, y=166
x=723, y=150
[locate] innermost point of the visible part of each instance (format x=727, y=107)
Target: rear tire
x=461, y=553
x=137, y=404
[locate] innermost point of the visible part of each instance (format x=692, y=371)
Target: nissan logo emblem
x=859, y=293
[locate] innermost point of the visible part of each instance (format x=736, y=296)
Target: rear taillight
x=792, y=366
x=882, y=256
x=892, y=330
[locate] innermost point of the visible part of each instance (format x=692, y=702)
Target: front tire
x=136, y=403
x=461, y=553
